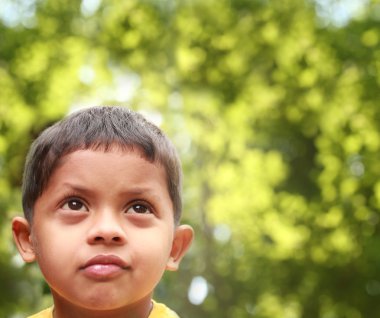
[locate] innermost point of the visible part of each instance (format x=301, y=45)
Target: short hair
x=99, y=128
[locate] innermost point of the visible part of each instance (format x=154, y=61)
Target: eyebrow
x=132, y=191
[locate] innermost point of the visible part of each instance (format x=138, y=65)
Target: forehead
x=114, y=165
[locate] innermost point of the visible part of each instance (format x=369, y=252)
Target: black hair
x=99, y=128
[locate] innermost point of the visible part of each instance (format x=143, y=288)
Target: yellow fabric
x=47, y=313
x=158, y=311
x=161, y=311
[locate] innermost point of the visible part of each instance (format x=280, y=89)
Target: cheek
x=52, y=253
x=149, y=261
x=153, y=248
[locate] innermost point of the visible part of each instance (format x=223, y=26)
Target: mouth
x=103, y=267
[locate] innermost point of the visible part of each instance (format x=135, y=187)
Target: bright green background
x=274, y=108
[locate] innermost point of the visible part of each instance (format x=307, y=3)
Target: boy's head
x=99, y=192
x=99, y=128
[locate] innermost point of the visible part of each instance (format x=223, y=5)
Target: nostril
x=107, y=239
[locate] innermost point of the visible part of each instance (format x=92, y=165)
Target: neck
x=140, y=309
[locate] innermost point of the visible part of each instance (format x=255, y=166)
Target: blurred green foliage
x=273, y=106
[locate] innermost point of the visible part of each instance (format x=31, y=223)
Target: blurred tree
x=273, y=109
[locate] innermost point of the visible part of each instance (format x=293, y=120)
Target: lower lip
x=103, y=271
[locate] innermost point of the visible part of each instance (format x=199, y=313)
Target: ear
x=183, y=237
x=22, y=238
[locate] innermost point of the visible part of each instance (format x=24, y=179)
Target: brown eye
x=139, y=209
x=75, y=205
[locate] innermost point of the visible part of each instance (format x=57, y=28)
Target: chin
x=105, y=302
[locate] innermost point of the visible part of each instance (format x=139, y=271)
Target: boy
x=102, y=204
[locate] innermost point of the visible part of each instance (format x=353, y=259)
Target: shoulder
x=47, y=313
x=162, y=311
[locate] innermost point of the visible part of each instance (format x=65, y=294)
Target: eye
x=75, y=205
x=139, y=208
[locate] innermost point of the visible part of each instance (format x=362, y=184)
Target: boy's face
x=103, y=230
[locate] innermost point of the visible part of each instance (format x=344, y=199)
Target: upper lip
x=105, y=260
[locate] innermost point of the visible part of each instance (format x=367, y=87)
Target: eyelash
x=147, y=207
x=72, y=198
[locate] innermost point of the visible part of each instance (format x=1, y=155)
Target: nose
x=106, y=228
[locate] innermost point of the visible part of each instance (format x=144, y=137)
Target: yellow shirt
x=158, y=311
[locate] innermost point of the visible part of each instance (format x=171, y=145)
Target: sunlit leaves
x=276, y=119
